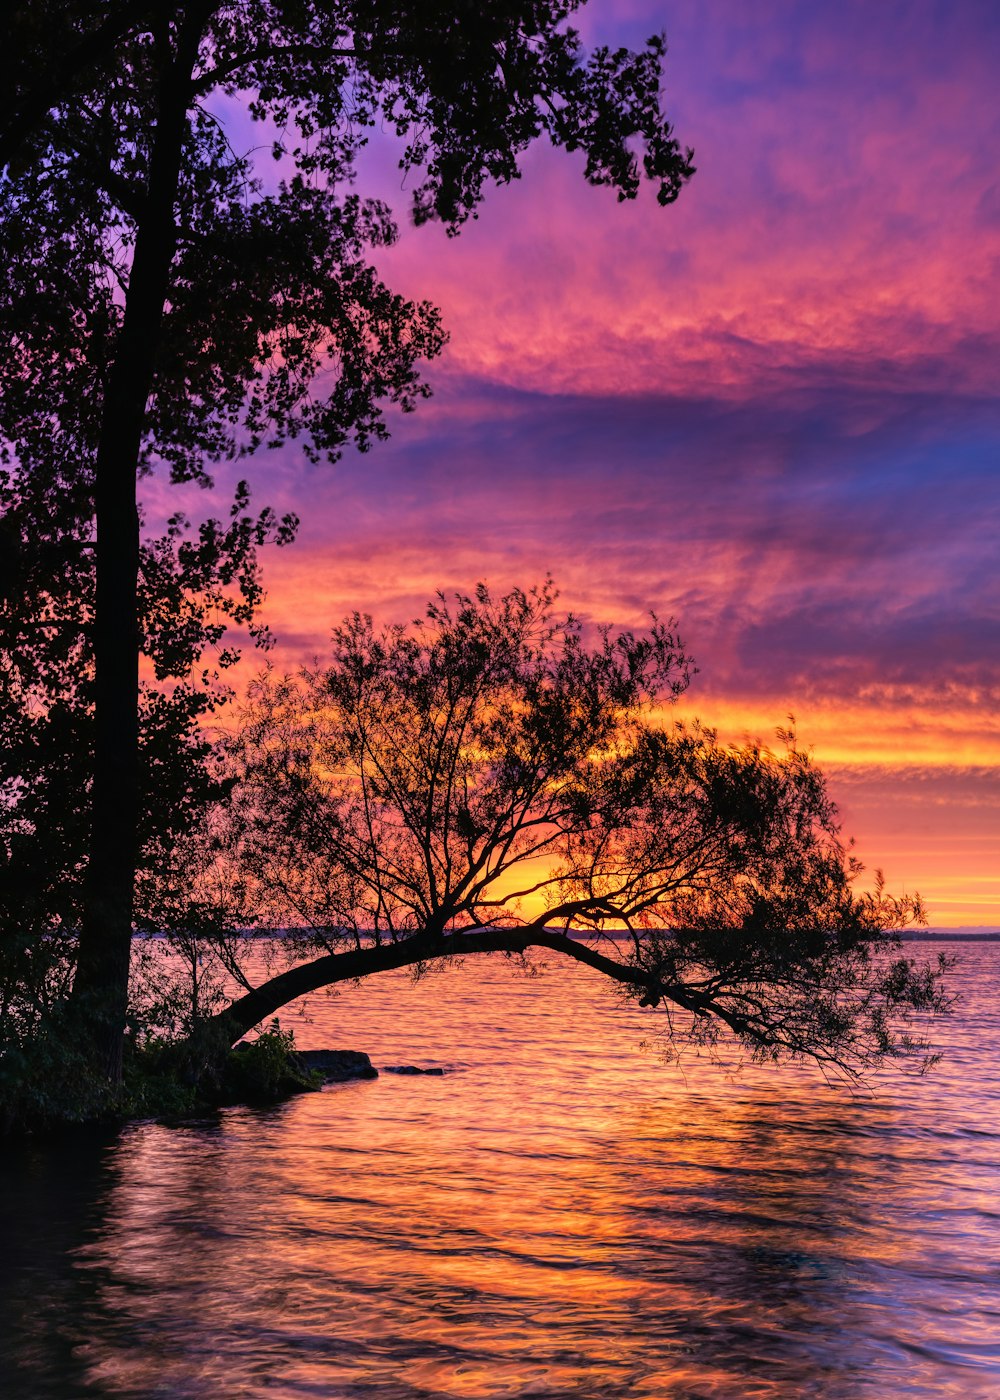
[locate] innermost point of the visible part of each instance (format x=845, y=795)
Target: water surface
x=561, y=1215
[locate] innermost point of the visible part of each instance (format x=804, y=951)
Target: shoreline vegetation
x=174, y=1082
x=161, y=1086
x=177, y=1082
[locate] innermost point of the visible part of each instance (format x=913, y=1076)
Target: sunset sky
x=771, y=410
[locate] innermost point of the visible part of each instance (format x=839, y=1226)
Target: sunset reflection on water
x=560, y=1215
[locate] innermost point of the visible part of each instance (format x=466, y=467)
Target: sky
x=771, y=410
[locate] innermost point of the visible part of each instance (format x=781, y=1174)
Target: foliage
x=487, y=780
x=164, y=1078
x=264, y=1069
x=424, y=766
x=45, y=1086
x=44, y=1081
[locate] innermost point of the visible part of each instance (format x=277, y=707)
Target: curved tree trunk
x=249, y=1010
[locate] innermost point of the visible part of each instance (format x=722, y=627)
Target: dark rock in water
x=337, y=1066
x=410, y=1069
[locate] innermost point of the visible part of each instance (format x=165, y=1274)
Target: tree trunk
x=249, y=1010
x=100, y=989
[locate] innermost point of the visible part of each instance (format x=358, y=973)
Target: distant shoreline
x=949, y=936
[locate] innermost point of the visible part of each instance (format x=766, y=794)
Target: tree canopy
x=489, y=780
x=170, y=300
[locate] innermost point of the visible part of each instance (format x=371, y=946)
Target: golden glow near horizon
x=916, y=785
x=873, y=732
x=912, y=769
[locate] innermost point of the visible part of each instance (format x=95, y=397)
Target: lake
x=560, y=1215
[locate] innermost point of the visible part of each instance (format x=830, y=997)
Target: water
x=560, y=1215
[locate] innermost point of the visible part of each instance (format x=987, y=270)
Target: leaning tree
x=486, y=781
x=169, y=299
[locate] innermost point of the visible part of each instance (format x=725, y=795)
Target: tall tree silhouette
x=164, y=306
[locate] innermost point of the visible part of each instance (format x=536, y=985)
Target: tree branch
x=248, y=1011
x=204, y=82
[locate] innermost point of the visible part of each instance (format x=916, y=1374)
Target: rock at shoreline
x=337, y=1066
x=410, y=1069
